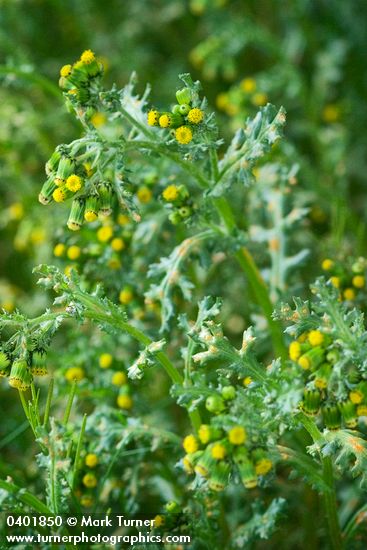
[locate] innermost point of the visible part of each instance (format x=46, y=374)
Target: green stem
x=78, y=450
x=48, y=402
x=69, y=403
x=26, y=411
x=331, y=505
x=257, y=283
x=329, y=495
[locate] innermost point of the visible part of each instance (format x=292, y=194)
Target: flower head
x=91, y=460
x=126, y=296
x=183, y=135
x=104, y=233
x=315, y=337
x=65, y=71
x=237, y=435
x=153, y=117
x=105, y=360
x=144, y=194
x=170, y=193
x=74, y=183
x=218, y=451
x=73, y=252
x=294, y=350
x=358, y=281
x=90, y=480
x=195, y=116
x=59, y=250
x=190, y=444
x=124, y=401
x=87, y=57
x=119, y=378
x=74, y=373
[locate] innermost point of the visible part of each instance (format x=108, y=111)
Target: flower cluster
x=178, y=200
x=68, y=178
x=348, y=277
x=216, y=452
x=78, y=80
x=184, y=118
x=335, y=386
x=20, y=370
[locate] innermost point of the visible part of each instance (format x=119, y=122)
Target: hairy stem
x=329, y=495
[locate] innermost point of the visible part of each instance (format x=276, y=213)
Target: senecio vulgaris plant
x=157, y=207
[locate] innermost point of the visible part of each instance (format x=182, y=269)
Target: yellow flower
x=331, y=113
x=358, y=281
x=190, y=444
x=222, y=101
x=91, y=460
x=320, y=383
x=105, y=360
x=104, y=233
x=218, y=451
x=65, y=71
x=152, y=118
x=144, y=194
x=263, y=466
x=38, y=235
x=164, y=121
x=126, y=296
x=259, y=99
x=247, y=381
x=183, y=135
x=302, y=337
x=204, y=433
x=304, y=362
x=59, y=195
x=123, y=219
x=362, y=410
x=124, y=401
x=74, y=183
x=237, y=435
x=335, y=281
x=90, y=216
x=356, y=396
x=87, y=501
x=59, y=250
x=117, y=244
x=248, y=85
x=87, y=57
x=195, y=116
x=98, y=119
x=16, y=211
x=327, y=264
x=119, y=378
x=294, y=350
x=90, y=480
x=315, y=337
x=170, y=193
x=74, y=373
x=349, y=294
x=73, y=252
x=158, y=521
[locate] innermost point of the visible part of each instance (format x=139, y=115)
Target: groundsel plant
x=156, y=209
